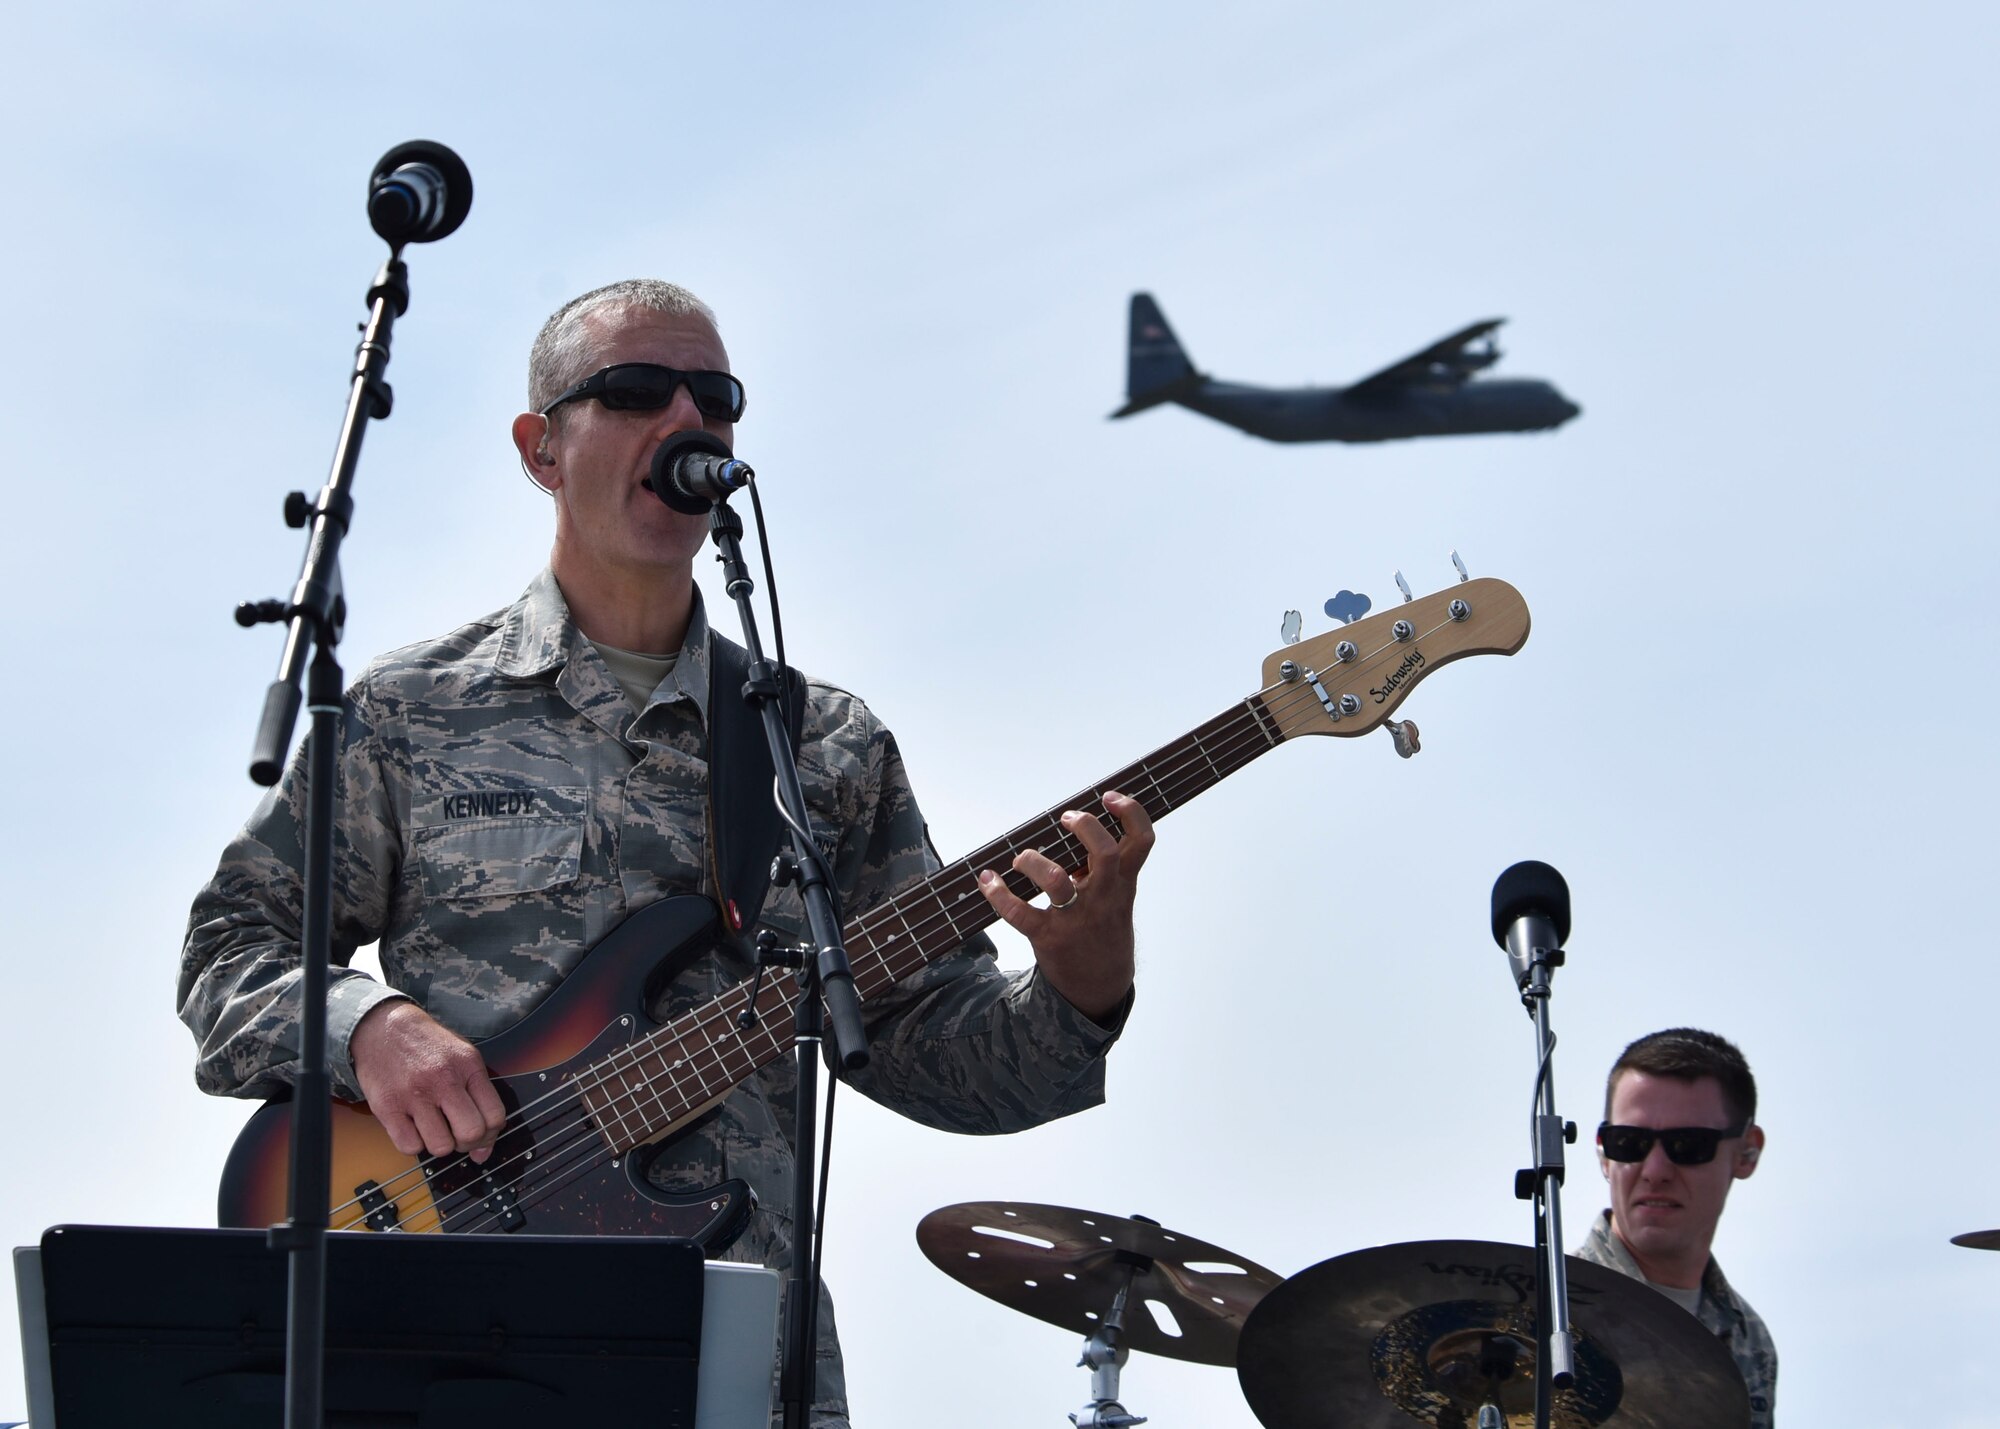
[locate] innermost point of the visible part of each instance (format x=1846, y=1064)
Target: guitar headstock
x=1350, y=679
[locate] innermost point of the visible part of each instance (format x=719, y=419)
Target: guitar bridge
x=501, y=1204
x=383, y=1214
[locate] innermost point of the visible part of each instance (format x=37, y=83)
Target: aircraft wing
x=1419, y=366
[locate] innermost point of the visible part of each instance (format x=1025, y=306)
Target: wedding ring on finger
x=1074, y=893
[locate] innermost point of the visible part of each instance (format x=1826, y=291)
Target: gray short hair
x=562, y=354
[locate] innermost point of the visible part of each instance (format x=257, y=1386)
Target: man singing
x=513, y=790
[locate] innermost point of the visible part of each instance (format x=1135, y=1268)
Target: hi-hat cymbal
x=1978, y=1240
x=1066, y=1266
x=1427, y=1331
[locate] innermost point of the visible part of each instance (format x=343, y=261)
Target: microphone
x=419, y=192
x=1530, y=910
x=693, y=471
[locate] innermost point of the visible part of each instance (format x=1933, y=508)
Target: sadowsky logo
x=1413, y=663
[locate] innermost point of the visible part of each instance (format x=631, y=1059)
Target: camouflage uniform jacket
x=1723, y=1311
x=501, y=808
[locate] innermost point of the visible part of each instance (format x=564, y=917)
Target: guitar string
x=619, y=1106
x=584, y=1149
x=552, y=1145
x=1250, y=734
x=578, y=1154
x=1241, y=730
x=583, y=1145
x=1169, y=782
x=581, y=1134
x=1247, y=733
x=1246, y=738
x=1234, y=756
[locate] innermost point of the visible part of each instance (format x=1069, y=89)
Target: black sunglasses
x=1686, y=1145
x=647, y=387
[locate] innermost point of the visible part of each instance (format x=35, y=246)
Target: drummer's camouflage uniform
x=502, y=808
x=1722, y=1310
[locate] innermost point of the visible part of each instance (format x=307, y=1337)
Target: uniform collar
x=537, y=636
x=1605, y=1240
x=536, y=632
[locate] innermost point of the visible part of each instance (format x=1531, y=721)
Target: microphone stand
x=825, y=973
x=315, y=615
x=1555, y=1347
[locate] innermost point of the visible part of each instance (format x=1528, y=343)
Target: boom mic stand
x=1531, y=921
x=825, y=971
x=419, y=191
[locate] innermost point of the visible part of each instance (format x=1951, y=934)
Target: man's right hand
x=426, y=1085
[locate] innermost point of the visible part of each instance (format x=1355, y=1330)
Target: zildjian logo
x=1413, y=663
x=1516, y=1278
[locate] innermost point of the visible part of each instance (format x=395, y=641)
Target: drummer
x=1679, y=1129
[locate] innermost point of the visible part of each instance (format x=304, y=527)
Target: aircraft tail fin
x=1156, y=369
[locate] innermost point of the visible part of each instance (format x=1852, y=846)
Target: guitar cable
x=819, y=1238
x=785, y=695
x=825, y=1163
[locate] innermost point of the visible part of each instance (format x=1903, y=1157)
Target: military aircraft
x=1429, y=394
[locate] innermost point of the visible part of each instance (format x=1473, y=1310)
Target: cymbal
x=1425, y=1332
x=1978, y=1240
x=1066, y=1267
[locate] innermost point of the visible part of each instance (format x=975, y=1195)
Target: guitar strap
x=743, y=823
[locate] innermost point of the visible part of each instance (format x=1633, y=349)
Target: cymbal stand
x=1103, y=1354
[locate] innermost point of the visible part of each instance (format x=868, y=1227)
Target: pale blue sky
x=1750, y=724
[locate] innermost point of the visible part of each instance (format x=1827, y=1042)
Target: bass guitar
x=592, y=1085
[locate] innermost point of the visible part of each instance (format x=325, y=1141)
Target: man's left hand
x=1083, y=939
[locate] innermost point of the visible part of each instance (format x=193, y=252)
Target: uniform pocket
x=502, y=843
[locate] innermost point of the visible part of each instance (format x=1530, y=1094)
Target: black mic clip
x=770, y=954
x=1552, y=1133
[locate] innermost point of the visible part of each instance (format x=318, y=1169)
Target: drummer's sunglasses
x=647, y=387
x=1686, y=1145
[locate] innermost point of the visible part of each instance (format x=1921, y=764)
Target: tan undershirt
x=637, y=675
x=1688, y=1300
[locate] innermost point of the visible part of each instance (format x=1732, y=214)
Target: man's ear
x=532, y=431
x=1748, y=1152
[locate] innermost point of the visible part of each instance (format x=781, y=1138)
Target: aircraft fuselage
x=1320, y=414
x=1431, y=393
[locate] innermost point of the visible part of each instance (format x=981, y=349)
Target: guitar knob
x=1404, y=733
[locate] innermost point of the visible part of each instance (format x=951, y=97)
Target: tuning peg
x=1348, y=606
x=1462, y=574
x=1404, y=586
x=1290, y=628
x=1404, y=733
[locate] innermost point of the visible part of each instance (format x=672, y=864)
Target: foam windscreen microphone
x=1530, y=910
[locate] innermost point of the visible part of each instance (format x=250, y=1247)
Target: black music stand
x=173, y=1328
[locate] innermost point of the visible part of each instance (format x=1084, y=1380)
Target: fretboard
x=649, y=1087
x=929, y=919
